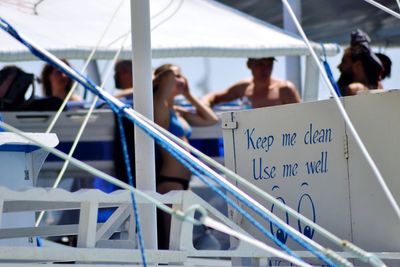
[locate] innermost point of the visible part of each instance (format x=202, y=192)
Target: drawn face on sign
x=305, y=206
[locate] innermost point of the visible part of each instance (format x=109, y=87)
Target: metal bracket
x=26, y=175
x=229, y=125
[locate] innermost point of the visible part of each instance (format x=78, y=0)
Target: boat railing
x=95, y=240
x=97, y=142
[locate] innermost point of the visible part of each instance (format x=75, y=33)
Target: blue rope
x=329, y=72
x=130, y=180
x=331, y=78
x=39, y=242
x=87, y=83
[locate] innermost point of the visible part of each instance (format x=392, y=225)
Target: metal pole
x=293, y=63
x=143, y=103
x=311, y=80
x=94, y=74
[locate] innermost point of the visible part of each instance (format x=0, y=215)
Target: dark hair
x=261, y=58
x=372, y=70
x=45, y=78
x=123, y=65
x=361, y=50
x=387, y=65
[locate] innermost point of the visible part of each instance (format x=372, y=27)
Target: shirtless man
x=261, y=90
x=360, y=68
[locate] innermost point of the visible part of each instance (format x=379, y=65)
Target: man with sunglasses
x=261, y=90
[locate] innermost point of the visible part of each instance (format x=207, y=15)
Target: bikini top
x=176, y=127
x=246, y=103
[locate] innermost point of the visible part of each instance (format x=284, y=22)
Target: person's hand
x=185, y=87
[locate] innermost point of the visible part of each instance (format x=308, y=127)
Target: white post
x=311, y=83
x=94, y=74
x=87, y=224
x=143, y=103
x=293, y=63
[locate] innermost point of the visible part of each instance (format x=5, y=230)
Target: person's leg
x=164, y=219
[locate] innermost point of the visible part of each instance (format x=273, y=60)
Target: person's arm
x=75, y=97
x=124, y=93
x=234, y=92
x=204, y=115
x=355, y=88
x=290, y=94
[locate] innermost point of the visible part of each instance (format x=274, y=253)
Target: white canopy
x=190, y=28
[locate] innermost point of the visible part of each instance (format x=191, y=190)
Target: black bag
x=14, y=84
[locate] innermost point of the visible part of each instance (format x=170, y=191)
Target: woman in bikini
x=172, y=175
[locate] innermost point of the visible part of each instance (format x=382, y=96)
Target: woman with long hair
x=171, y=174
x=57, y=84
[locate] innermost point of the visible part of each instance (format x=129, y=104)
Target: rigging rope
x=383, y=8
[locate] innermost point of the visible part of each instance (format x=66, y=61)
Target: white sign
x=303, y=155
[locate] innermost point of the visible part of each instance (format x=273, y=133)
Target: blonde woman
x=171, y=174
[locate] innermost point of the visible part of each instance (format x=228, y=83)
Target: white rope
x=75, y=85
x=252, y=241
x=344, y=114
x=382, y=7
